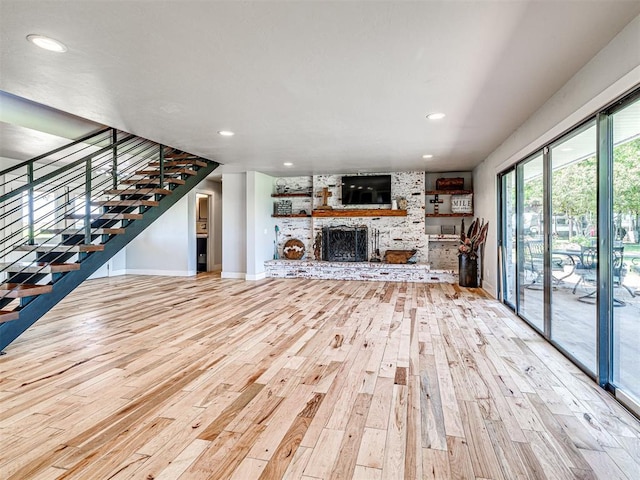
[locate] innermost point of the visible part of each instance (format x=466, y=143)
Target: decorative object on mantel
x=375, y=246
x=275, y=244
x=325, y=194
x=394, y=204
x=402, y=203
x=398, y=256
x=293, y=249
x=462, y=203
x=471, y=243
x=456, y=183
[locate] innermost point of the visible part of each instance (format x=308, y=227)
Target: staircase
x=65, y=213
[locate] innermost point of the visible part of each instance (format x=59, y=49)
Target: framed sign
x=462, y=203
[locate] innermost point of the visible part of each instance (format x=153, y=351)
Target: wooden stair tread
x=128, y=203
x=152, y=181
x=38, y=267
x=106, y=216
x=80, y=231
x=168, y=171
x=138, y=191
x=179, y=156
x=20, y=290
x=178, y=162
x=8, y=315
x=60, y=248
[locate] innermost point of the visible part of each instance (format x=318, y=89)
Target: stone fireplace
x=345, y=244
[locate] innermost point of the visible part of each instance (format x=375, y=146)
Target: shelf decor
x=283, y=207
x=456, y=183
x=462, y=203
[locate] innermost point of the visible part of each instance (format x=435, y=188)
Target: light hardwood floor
x=164, y=378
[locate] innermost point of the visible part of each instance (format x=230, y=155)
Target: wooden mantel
x=357, y=212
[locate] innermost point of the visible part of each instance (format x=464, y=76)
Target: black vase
x=468, y=271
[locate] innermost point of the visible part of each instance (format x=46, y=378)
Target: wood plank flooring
x=201, y=378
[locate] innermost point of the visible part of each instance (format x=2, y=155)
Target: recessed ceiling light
x=288, y=164
x=47, y=43
x=436, y=116
x=428, y=155
x=226, y=133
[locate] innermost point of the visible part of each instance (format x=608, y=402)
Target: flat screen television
x=366, y=190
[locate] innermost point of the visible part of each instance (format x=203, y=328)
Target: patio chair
x=587, y=269
x=534, y=263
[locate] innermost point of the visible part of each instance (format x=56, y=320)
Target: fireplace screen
x=344, y=244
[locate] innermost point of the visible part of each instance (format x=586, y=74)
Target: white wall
x=168, y=246
x=612, y=72
x=234, y=225
x=260, y=225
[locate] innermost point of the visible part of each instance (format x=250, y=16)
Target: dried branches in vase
x=471, y=240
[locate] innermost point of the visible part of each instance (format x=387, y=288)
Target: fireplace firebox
x=344, y=244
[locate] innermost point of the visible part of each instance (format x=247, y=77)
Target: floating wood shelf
x=449, y=215
x=353, y=212
x=292, y=215
x=284, y=195
x=448, y=192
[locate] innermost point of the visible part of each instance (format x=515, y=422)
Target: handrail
x=59, y=149
x=60, y=170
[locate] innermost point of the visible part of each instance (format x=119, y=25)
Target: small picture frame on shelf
x=448, y=229
x=462, y=203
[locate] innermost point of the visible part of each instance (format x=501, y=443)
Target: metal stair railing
x=83, y=170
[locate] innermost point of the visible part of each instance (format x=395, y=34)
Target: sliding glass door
x=570, y=245
x=530, y=208
x=574, y=245
x=508, y=252
x=625, y=258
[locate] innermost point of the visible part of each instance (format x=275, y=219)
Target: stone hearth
x=370, y=271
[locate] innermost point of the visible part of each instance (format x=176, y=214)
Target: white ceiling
x=334, y=87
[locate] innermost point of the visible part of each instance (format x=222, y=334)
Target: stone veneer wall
x=403, y=233
x=297, y=227
x=396, y=233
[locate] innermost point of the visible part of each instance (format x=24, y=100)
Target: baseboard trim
x=259, y=276
x=116, y=273
x=163, y=273
x=235, y=275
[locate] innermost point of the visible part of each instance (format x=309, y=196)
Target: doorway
x=203, y=231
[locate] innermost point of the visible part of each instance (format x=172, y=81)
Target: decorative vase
x=468, y=271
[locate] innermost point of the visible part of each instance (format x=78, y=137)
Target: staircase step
x=139, y=191
x=8, y=315
x=152, y=181
x=168, y=171
x=38, y=267
x=80, y=231
x=128, y=203
x=20, y=290
x=43, y=248
x=179, y=156
x=106, y=216
x=179, y=163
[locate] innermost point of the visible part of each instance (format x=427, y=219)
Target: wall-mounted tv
x=366, y=190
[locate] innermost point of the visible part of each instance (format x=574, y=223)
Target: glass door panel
x=530, y=241
x=509, y=258
x=574, y=245
x=625, y=258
